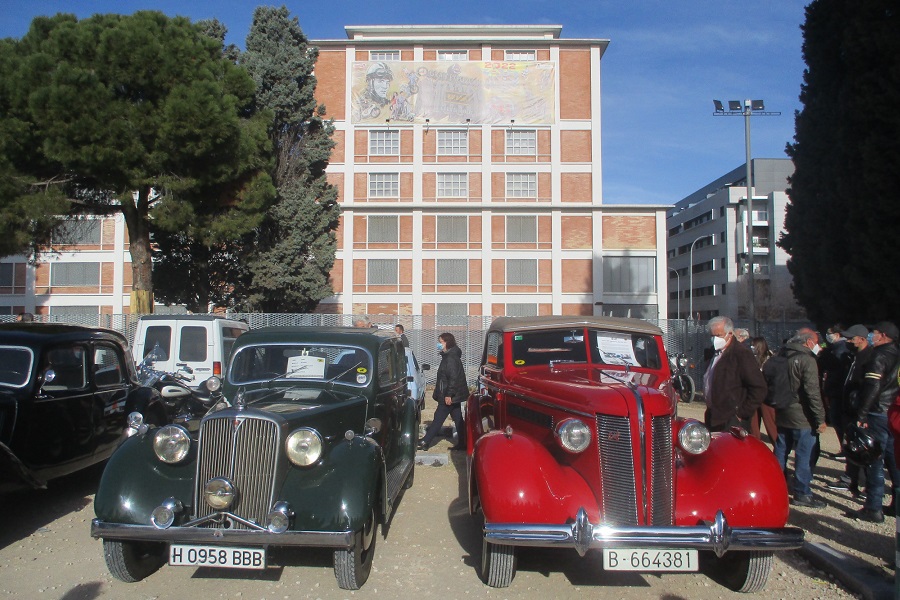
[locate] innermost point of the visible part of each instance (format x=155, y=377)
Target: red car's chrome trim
x=583, y=536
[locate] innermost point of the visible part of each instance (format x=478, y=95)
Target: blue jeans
x=878, y=428
x=801, y=441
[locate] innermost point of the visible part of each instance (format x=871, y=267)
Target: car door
x=61, y=427
x=112, y=386
x=392, y=393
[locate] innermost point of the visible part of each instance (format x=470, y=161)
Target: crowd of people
x=849, y=381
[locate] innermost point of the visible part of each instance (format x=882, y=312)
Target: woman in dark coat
x=450, y=391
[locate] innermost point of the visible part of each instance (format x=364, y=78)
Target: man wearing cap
x=372, y=99
x=877, y=394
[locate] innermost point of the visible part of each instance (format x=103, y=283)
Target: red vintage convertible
x=574, y=442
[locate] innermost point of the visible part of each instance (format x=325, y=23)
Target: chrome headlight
x=573, y=435
x=163, y=515
x=219, y=493
x=694, y=437
x=171, y=444
x=279, y=518
x=304, y=447
x=213, y=384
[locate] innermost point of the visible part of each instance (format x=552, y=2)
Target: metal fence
x=680, y=335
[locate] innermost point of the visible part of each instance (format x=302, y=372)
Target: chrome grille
x=617, y=471
x=661, y=463
x=244, y=450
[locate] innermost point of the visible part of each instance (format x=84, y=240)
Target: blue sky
x=666, y=62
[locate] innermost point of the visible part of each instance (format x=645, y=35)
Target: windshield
x=15, y=365
x=301, y=362
x=569, y=345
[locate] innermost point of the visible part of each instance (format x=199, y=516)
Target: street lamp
x=748, y=108
x=678, y=296
x=691, y=274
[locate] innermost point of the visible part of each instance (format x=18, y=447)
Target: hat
x=856, y=330
x=888, y=329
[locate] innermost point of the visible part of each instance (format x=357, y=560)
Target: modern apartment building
x=468, y=164
x=709, y=255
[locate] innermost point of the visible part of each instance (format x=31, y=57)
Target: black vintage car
x=313, y=447
x=65, y=394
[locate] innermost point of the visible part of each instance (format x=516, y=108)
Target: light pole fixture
x=691, y=274
x=678, y=293
x=747, y=109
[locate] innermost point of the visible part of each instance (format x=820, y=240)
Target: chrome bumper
x=224, y=537
x=718, y=536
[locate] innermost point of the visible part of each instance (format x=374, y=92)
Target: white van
x=202, y=343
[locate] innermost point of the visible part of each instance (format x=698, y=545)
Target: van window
x=158, y=335
x=193, y=344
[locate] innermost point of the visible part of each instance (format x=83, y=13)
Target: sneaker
x=809, y=501
x=422, y=445
x=840, y=457
x=838, y=486
x=869, y=515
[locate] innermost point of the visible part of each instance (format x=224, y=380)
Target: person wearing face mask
x=733, y=385
x=800, y=423
x=876, y=395
x=450, y=390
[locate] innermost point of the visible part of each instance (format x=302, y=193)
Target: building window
x=521, y=271
x=521, y=143
x=384, y=55
x=77, y=231
x=452, y=142
x=383, y=229
x=452, y=229
x=382, y=271
x=74, y=274
x=5, y=310
x=629, y=274
x=451, y=271
x=450, y=314
x=521, y=309
x=452, y=185
x=384, y=185
x=6, y=275
x=452, y=55
x=74, y=311
x=384, y=143
x=521, y=229
x=521, y=185
x=521, y=55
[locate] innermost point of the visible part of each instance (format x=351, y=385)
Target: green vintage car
x=311, y=446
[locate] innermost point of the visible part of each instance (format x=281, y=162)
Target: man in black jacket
x=879, y=388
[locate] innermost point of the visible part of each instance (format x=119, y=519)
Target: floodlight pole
x=678, y=296
x=691, y=275
x=747, y=110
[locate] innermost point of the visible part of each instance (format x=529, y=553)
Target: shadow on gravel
x=84, y=591
x=24, y=512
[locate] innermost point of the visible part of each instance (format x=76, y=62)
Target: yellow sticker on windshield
x=520, y=362
x=361, y=370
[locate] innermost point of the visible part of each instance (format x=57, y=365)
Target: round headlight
x=573, y=435
x=219, y=493
x=213, y=384
x=171, y=444
x=304, y=447
x=694, y=437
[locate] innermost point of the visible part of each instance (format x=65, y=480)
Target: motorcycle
x=681, y=381
x=185, y=405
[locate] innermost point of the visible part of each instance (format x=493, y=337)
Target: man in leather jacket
x=879, y=388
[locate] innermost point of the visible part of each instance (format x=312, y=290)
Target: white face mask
x=816, y=349
x=830, y=337
x=718, y=343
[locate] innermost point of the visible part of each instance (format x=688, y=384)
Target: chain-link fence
x=680, y=335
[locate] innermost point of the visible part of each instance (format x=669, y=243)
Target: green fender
x=135, y=482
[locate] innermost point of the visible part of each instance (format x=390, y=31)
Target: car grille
x=244, y=450
x=617, y=471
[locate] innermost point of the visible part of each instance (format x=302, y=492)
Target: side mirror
x=49, y=376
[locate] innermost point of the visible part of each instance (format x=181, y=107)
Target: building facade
x=708, y=252
x=468, y=166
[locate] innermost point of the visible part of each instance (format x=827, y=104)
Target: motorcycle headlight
x=171, y=444
x=213, y=384
x=304, y=447
x=573, y=435
x=694, y=437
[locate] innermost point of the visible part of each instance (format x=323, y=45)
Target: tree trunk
x=141, y=257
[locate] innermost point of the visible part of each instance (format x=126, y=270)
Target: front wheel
x=745, y=572
x=685, y=386
x=133, y=561
x=353, y=565
x=498, y=564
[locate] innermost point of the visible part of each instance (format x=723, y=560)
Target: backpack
x=777, y=374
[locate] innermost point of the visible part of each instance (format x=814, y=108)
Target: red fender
x=519, y=481
x=738, y=476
